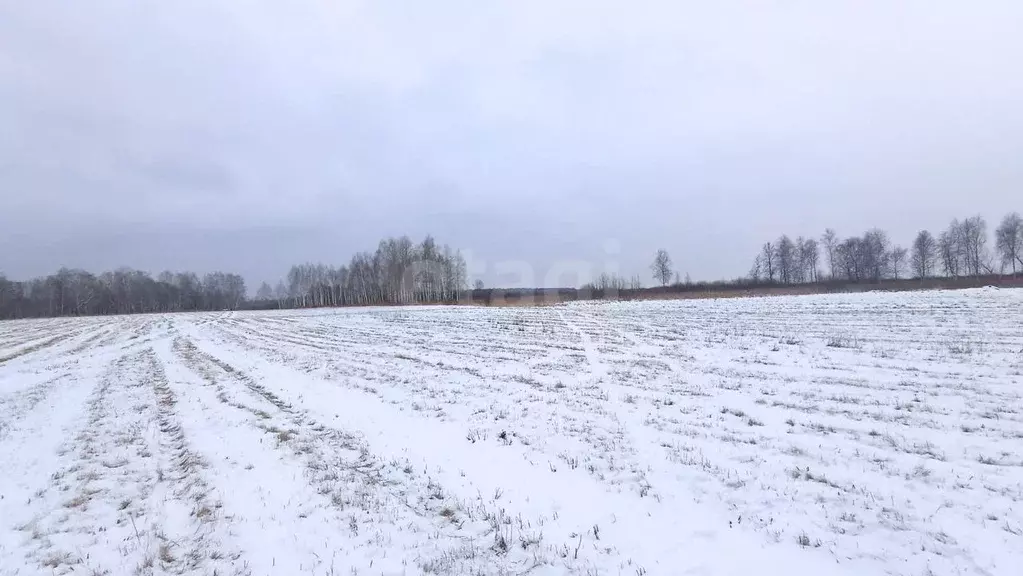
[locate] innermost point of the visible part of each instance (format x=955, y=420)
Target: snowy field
x=852, y=434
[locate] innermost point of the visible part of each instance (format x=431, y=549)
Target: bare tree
x=478, y=284
x=924, y=251
x=756, y=269
x=808, y=256
x=974, y=238
x=769, y=260
x=609, y=284
x=830, y=242
x=280, y=294
x=6, y=293
x=1009, y=241
x=898, y=260
x=265, y=292
x=661, y=267
x=799, y=272
x=846, y=260
x=875, y=254
x=398, y=272
x=948, y=250
x=786, y=258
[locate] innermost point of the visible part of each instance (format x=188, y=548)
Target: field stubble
x=868, y=433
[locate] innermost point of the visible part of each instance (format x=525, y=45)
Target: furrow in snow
x=323, y=482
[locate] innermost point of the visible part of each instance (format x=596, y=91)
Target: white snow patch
x=844, y=434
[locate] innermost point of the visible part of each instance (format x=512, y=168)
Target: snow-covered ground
x=846, y=434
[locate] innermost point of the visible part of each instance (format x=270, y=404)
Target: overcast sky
x=246, y=135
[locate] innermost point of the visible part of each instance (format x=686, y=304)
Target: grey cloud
x=533, y=131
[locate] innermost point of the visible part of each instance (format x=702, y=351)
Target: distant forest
x=400, y=271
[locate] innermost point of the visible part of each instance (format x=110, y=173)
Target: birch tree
x=898, y=260
x=1009, y=242
x=661, y=267
x=923, y=254
x=769, y=259
x=830, y=242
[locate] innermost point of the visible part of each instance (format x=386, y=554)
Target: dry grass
x=165, y=554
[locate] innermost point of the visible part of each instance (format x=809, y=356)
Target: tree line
x=72, y=292
x=961, y=250
x=398, y=272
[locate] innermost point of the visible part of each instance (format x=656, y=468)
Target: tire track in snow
x=632, y=432
x=394, y=516
x=31, y=333
x=579, y=414
x=31, y=453
x=195, y=537
x=597, y=443
x=585, y=528
x=63, y=527
x=16, y=405
x=576, y=542
x=130, y=499
x=39, y=346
